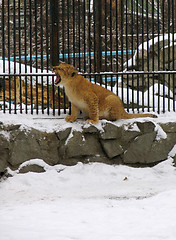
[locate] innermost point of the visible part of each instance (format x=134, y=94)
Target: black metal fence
x=128, y=46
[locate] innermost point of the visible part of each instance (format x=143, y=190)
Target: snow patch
x=172, y=153
x=17, y=68
x=132, y=127
x=160, y=132
x=6, y=135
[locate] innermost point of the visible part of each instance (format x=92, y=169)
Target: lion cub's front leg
x=74, y=114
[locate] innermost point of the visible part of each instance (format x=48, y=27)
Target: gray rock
x=128, y=136
x=4, y=152
x=169, y=127
x=160, y=57
x=11, y=127
x=90, y=129
x=112, y=147
x=3, y=161
x=111, y=132
x=23, y=147
x=4, y=140
x=32, y=168
x=159, y=44
x=168, y=53
x=49, y=145
x=33, y=144
x=83, y=145
x=72, y=161
x=139, y=149
x=146, y=127
x=100, y=159
x=62, y=135
x=160, y=149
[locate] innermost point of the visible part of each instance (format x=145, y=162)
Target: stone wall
x=139, y=143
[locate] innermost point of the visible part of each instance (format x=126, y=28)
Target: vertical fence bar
x=36, y=55
x=14, y=55
x=89, y=37
x=54, y=42
x=54, y=32
x=121, y=38
x=73, y=32
x=58, y=43
x=19, y=20
x=163, y=55
x=68, y=38
x=25, y=52
x=117, y=46
x=63, y=30
x=84, y=34
x=137, y=13
x=52, y=84
x=63, y=45
x=173, y=52
x=159, y=76
x=79, y=36
x=106, y=29
x=41, y=52
x=68, y=29
x=9, y=51
x=95, y=37
x=111, y=42
x=132, y=44
x=31, y=82
x=3, y=55
x=47, y=55
x=169, y=41
x=98, y=38
x=126, y=40
x=147, y=29
x=143, y=55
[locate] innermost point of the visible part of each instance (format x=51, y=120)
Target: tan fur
x=95, y=101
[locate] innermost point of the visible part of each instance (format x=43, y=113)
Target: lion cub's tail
x=129, y=116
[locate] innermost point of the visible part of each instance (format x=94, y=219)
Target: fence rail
x=127, y=46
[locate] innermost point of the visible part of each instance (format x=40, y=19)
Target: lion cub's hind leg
x=115, y=107
x=93, y=110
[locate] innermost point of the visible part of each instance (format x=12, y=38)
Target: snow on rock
x=172, y=153
x=160, y=132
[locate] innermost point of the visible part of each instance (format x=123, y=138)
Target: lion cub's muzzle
x=58, y=77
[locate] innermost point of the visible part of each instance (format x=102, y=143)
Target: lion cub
x=95, y=101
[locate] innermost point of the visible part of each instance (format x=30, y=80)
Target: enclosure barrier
x=127, y=46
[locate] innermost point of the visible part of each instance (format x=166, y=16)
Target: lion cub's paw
x=70, y=119
x=92, y=121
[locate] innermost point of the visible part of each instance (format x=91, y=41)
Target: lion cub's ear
x=73, y=74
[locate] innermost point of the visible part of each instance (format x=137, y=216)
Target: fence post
x=98, y=19
x=54, y=32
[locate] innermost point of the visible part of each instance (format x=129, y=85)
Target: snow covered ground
x=88, y=202
x=94, y=201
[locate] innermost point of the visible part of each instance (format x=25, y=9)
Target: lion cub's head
x=64, y=73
